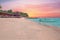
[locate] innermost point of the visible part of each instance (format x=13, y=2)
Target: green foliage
x=23, y=14
x=9, y=11
x=1, y=10
x=16, y=13
x=0, y=7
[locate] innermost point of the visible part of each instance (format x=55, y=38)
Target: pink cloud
x=40, y=10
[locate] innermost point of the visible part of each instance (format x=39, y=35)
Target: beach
x=23, y=29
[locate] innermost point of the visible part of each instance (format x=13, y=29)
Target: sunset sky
x=35, y=8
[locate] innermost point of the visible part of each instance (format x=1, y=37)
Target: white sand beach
x=23, y=29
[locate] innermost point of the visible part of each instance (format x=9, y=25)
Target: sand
x=23, y=29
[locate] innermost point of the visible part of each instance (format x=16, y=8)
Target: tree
x=23, y=14
x=10, y=11
x=16, y=13
x=0, y=6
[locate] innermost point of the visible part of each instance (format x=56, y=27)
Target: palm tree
x=0, y=7
x=22, y=14
x=25, y=15
x=10, y=11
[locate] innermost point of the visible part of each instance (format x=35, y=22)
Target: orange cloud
x=35, y=8
x=44, y=10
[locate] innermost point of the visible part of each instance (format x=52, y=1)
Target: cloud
x=32, y=1
x=34, y=7
x=3, y=1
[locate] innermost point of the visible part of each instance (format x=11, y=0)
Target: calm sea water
x=48, y=21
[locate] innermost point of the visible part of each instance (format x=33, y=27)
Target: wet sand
x=23, y=29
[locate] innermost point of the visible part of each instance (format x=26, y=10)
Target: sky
x=34, y=8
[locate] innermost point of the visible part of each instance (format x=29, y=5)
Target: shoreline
x=47, y=22
x=23, y=29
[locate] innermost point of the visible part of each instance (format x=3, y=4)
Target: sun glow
x=35, y=8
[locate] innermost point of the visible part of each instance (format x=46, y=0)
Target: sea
x=47, y=21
